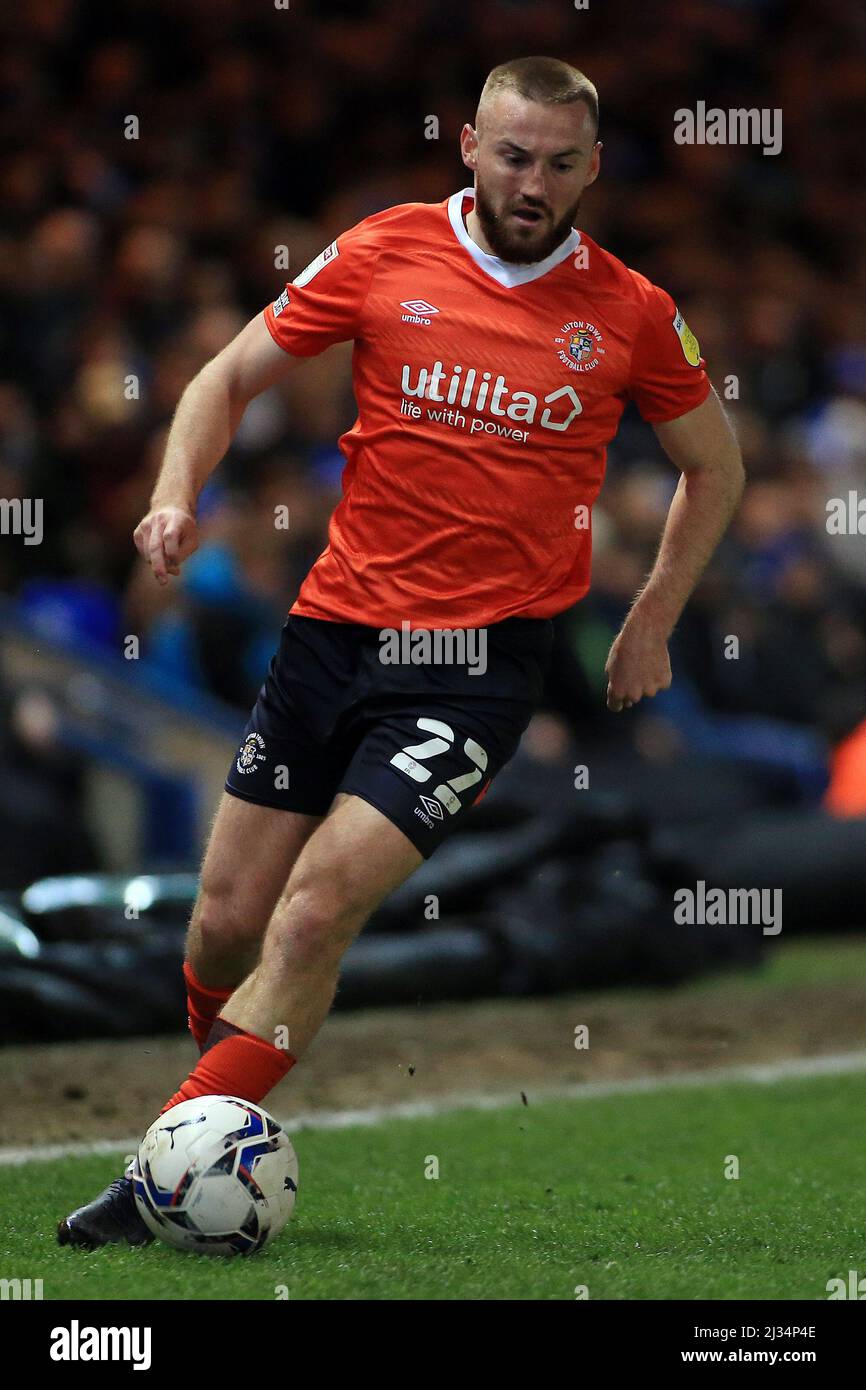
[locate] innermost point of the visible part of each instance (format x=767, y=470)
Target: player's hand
x=166, y=537
x=638, y=665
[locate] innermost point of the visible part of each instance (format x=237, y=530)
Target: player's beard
x=508, y=245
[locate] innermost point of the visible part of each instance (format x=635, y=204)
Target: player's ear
x=469, y=146
x=594, y=163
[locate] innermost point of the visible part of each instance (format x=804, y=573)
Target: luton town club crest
x=579, y=345
x=252, y=753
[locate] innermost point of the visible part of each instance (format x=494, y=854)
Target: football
x=216, y=1176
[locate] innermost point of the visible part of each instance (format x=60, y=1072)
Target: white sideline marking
x=763, y=1073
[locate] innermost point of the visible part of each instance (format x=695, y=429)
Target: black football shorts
x=418, y=724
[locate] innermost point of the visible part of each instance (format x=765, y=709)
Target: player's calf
x=221, y=951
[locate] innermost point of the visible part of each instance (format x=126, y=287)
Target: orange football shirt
x=487, y=394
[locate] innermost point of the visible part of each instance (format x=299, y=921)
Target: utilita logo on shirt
x=479, y=391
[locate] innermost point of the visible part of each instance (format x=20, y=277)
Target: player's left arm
x=703, y=446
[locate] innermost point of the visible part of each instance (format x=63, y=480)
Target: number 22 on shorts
x=410, y=759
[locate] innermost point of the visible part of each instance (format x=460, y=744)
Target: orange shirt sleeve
x=324, y=303
x=846, y=794
x=668, y=376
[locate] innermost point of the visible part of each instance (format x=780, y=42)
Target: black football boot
x=112, y=1218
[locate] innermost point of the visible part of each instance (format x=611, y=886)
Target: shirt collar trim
x=505, y=273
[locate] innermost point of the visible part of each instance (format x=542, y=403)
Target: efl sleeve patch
x=318, y=309
x=315, y=266
x=688, y=341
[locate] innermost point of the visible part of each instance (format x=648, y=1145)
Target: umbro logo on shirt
x=418, y=310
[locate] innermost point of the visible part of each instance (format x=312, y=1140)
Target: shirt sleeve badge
x=688, y=341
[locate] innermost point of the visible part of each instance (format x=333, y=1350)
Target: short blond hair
x=546, y=80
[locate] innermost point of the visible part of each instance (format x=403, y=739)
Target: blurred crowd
x=126, y=263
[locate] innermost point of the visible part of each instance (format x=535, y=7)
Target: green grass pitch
x=625, y=1194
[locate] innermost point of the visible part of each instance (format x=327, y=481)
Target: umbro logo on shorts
x=435, y=809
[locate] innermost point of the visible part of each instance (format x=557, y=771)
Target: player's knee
x=313, y=925
x=220, y=923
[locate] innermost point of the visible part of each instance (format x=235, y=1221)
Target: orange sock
x=203, y=1004
x=235, y=1063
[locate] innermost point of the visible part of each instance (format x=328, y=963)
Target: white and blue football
x=216, y=1176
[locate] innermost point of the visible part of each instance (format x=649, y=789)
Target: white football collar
x=505, y=272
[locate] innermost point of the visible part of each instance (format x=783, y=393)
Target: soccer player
x=495, y=350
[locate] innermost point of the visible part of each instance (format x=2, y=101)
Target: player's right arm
x=323, y=305
x=204, y=424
